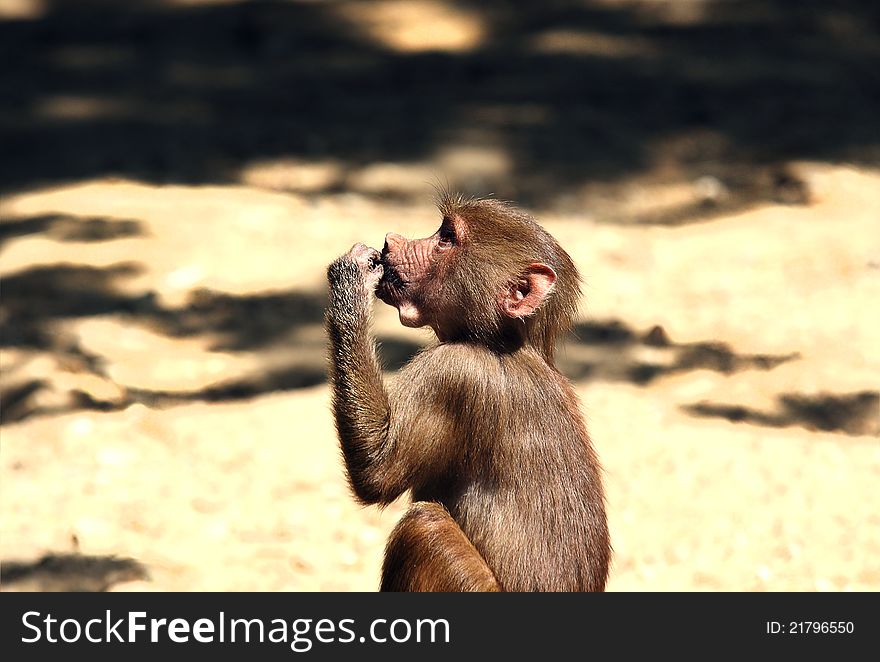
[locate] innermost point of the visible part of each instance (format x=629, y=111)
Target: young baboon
x=482, y=428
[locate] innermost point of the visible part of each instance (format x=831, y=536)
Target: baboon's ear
x=525, y=295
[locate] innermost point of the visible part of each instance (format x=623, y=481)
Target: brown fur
x=482, y=428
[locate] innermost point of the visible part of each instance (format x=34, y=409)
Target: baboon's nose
x=393, y=242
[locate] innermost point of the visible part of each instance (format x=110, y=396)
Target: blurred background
x=176, y=175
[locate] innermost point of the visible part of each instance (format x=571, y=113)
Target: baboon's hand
x=356, y=272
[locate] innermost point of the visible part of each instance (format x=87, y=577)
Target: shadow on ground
x=853, y=413
x=572, y=92
x=612, y=351
x=70, y=572
x=37, y=298
x=64, y=227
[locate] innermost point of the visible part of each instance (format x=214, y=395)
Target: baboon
x=481, y=427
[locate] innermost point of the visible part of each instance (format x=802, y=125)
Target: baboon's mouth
x=390, y=276
x=390, y=284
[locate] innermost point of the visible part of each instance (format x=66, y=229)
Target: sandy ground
x=177, y=174
x=168, y=425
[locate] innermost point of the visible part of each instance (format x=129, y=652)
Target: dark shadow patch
x=70, y=573
x=278, y=379
x=36, y=297
x=720, y=358
x=243, y=322
x=18, y=405
x=24, y=227
x=63, y=227
x=852, y=413
x=191, y=93
x=604, y=333
x=614, y=352
x=35, y=300
x=94, y=229
x=242, y=388
x=14, y=400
